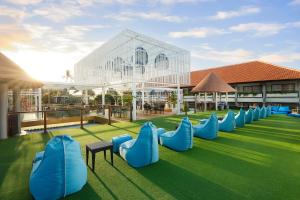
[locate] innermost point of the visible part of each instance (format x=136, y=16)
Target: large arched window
x=141, y=56
x=141, y=59
x=161, y=61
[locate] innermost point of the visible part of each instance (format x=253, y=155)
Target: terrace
x=259, y=161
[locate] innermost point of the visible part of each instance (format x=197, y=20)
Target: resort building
x=135, y=62
x=255, y=82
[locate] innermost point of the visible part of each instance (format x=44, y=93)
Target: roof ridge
x=253, y=61
x=279, y=66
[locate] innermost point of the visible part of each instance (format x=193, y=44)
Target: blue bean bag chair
x=263, y=112
x=228, y=122
x=281, y=110
x=249, y=116
x=240, y=119
x=208, y=130
x=181, y=139
x=256, y=114
x=59, y=170
x=274, y=108
x=294, y=115
x=143, y=150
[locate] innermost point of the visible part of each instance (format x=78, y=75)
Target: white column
x=236, y=97
x=226, y=99
x=264, y=94
x=3, y=110
x=216, y=99
x=143, y=96
x=133, y=101
x=86, y=97
x=205, y=105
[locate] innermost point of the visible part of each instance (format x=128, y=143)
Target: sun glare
x=44, y=66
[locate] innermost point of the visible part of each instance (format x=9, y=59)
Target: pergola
x=135, y=62
x=212, y=83
x=12, y=77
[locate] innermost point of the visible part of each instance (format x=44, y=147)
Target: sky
x=47, y=37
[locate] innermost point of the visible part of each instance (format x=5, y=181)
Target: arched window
x=141, y=56
x=161, y=61
x=141, y=59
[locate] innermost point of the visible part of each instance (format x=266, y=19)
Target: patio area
x=259, y=161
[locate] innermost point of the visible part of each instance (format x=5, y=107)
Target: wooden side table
x=98, y=147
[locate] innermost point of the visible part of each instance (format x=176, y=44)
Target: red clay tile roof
x=254, y=71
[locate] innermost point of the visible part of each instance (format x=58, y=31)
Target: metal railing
x=84, y=112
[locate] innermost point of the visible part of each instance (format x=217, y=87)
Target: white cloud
x=125, y=16
x=90, y=2
x=70, y=38
x=295, y=3
x=293, y=24
x=11, y=35
x=58, y=13
x=221, y=15
x=259, y=29
x=169, y=2
x=24, y=2
x=281, y=57
x=230, y=56
x=13, y=13
x=202, y=32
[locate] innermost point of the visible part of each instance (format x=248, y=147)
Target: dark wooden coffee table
x=97, y=147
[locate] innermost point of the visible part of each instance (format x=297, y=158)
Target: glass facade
x=133, y=57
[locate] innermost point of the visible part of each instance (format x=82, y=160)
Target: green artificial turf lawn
x=259, y=161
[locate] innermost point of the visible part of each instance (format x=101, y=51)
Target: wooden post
x=45, y=121
x=109, y=115
x=81, y=119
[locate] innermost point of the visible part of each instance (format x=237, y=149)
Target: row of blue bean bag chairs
x=59, y=170
x=209, y=130
x=144, y=150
